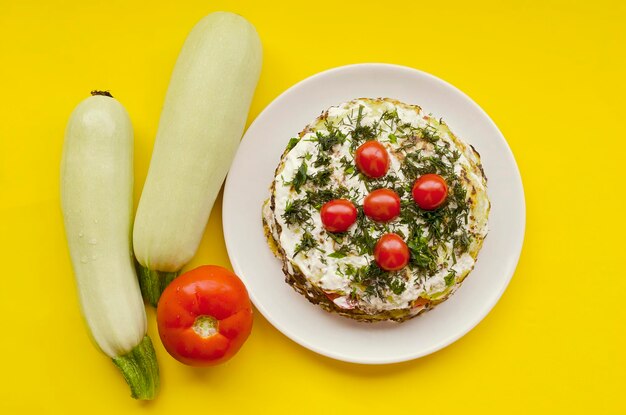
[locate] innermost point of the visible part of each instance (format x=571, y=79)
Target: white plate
x=339, y=337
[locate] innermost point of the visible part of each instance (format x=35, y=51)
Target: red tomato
x=204, y=316
x=338, y=215
x=391, y=253
x=372, y=159
x=331, y=295
x=419, y=302
x=346, y=304
x=382, y=205
x=430, y=191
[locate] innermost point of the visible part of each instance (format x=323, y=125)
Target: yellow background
x=550, y=74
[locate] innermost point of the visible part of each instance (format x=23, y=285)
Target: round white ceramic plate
x=339, y=337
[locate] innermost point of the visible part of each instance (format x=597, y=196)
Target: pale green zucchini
x=201, y=124
x=97, y=204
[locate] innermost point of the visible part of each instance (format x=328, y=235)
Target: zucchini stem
x=140, y=370
x=103, y=93
x=153, y=283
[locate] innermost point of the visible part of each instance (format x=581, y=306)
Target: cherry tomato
x=391, y=253
x=430, y=191
x=382, y=205
x=338, y=215
x=204, y=316
x=372, y=159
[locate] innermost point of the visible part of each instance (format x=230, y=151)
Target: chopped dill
x=342, y=252
x=328, y=141
x=377, y=281
x=322, y=160
x=292, y=143
x=296, y=212
x=429, y=134
x=361, y=132
x=307, y=242
x=450, y=278
x=362, y=239
x=321, y=178
x=316, y=198
x=300, y=178
x=348, y=166
x=422, y=255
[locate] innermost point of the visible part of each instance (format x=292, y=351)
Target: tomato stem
x=153, y=283
x=140, y=370
x=205, y=326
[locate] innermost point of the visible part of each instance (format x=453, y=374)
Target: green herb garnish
x=362, y=239
x=450, y=278
x=307, y=242
x=318, y=197
x=322, y=160
x=321, y=178
x=429, y=134
x=296, y=212
x=292, y=143
x=397, y=286
x=300, y=178
x=376, y=280
x=361, y=132
x=342, y=252
x=422, y=255
x=328, y=141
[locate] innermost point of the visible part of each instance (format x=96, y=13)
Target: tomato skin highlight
x=382, y=205
x=391, y=252
x=338, y=215
x=430, y=191
x=372, y=159
x=210, y=293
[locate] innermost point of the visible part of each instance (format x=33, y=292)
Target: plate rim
x=442, y=343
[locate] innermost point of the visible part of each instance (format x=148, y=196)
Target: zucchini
x=97, y=204
x=201, y=124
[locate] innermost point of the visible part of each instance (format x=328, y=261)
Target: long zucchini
x=97, y=203
x=201, y=124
